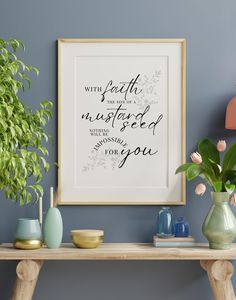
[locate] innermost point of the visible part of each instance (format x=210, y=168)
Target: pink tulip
x=233, y=200
x=196, y=158
x=200, y=189
x=221, y=146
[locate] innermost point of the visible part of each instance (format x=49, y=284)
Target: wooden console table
x=215, y=262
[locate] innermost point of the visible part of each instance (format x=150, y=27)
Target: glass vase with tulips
x=216, y=170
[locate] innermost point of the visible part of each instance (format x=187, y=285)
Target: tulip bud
x=221, y=146
x=233, y=200
x=200, y=189
x=196, y=158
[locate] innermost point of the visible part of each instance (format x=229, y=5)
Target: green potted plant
x=22, y=134
x=219, y=173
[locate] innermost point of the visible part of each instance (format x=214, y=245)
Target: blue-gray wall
x=209, y=27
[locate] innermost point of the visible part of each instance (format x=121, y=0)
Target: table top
x=118, y=251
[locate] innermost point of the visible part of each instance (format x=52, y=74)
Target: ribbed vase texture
x=219, y=226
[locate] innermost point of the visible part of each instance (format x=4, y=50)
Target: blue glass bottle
x=165, y=224
x=181, y=228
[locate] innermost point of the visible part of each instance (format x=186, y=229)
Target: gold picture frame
x=61, y=43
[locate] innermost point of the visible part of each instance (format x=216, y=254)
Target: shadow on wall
x=123, y=280
x=7, y=278
x=119, y=280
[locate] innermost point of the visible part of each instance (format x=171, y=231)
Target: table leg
x=27, y=272
x=219, y=273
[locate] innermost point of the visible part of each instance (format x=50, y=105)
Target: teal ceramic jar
x=28, y=229
x=219, y=226
x=53, y=228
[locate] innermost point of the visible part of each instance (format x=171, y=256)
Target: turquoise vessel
x=28, y=229
x=219, y=226
x=53, y=228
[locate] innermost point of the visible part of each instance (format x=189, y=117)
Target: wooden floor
x=118, y=251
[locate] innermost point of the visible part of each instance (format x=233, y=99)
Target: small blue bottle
x=165, y=224
x=181, y=228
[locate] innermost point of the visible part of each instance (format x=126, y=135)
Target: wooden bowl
x=87, y=238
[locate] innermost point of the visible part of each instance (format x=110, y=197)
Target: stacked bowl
x=28, y=235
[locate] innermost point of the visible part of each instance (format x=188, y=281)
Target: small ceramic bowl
x=87, y=238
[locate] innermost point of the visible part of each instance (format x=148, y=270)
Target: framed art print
x=121, y=121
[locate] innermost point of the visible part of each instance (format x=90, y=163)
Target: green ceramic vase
x=53, y=228
x=219, y=226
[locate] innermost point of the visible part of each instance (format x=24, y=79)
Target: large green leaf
x=209, y=152
x=193, y=171
x=183, y=168
x=230, y=158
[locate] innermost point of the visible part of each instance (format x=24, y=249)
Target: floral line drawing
x=149, y=93
x=98, y=159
